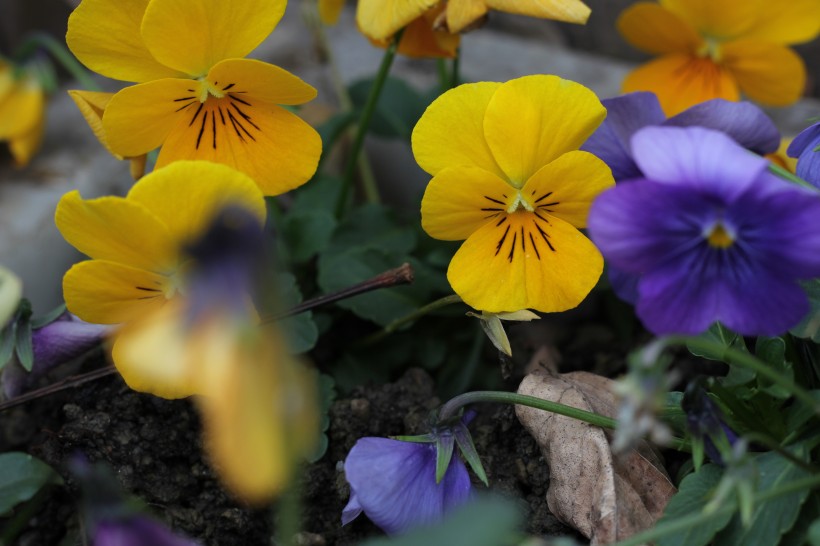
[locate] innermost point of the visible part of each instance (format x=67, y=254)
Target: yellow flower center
x=206, y=89
x=519, y=202
x=711, y=49
x=218, y=113
x=720, y=237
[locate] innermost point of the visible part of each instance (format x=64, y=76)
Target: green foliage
x=809, y=327
x=693, y=494
x=327, y=394
x=399, y=107
x=21, y=477
x=486, y=521
x=300, y=330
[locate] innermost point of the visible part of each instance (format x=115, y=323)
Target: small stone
x=360, y=407
x=309, y=539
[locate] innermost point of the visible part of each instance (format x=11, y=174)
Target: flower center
x=711, y=49
x=519, y=202
x=719, y=236
x=206, y=89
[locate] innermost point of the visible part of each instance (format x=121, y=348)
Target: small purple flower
x=394, y=483
x=713, y=235
x=136, y=531
x=54, y=344
x=705, y=421
x=744, y=122
x=806, y=148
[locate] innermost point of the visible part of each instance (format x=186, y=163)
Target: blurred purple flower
x=744, y=122
x=54, y=344
x=705, y=421
x=805, y=148
x=713, y=235
x=136, y=531
x=394, y=483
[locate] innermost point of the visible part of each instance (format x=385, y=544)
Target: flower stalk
x=410, y=317
x=370, y=189
x=61, y=54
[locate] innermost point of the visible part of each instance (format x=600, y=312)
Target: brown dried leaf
x=606, y=498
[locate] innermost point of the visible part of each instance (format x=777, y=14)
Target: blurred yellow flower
x=197, y=97
x=781, y=158
x=22, y=112
x=719, y=49
x=329, y=11
x=167, y=265
x=508, y=178
x=381, y=19
x=426, y=36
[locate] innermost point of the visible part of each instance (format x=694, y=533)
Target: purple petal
x=625, y=115
x=55, y=343
x=804, y=148
x=625, y=285
x=701, y=159
x=744, y=122
x=394, y=483
x=137, y=531
x=642, y=224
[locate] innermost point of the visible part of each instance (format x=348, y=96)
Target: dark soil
x=154, y=448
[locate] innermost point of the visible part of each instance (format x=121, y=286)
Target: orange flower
x=719, y=49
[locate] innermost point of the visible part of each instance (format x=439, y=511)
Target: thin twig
x=67, y=383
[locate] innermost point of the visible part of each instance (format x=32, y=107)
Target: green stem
x=450, y=409
x=410, y=317
x=783, y=173
x=773, y=445
x=745, y=360
x=700, y=518
x=444, y=78
x=456, y=77
x=289, y=515
x=361, y=131
x=59, y=52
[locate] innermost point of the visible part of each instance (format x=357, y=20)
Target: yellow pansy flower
x=196, y=96
x=508, y=177
x=381, y=19
x=22, y=112
x=719, y=49
x=329, y=11
x=780, y=157
x=426, y=36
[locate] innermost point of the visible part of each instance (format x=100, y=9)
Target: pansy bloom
x=426, y=36
x=719, y=49
x=713, y=235
x=381, y=19
x=394, y=483
x=174, y=264
x=508, y=177
x=22, y=112
x=806, y=148
x=196, y=96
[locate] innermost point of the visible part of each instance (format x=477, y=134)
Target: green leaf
x=320, y=194
x=398, y=109
x=721, y=335
x=809, y=327
x=814, y=533
x=772, y=350
x=24, y=349
x=444, y=454
x=327, y=394
x=691, y=497
x=8, y=340
x=809, y=514
x=333, y=128
x=300, y=330
x=799, y=414
x=306, y=233
x=772, y=518
x=21, y=477
x=485, y=521
x=49, y=317
x=372, y=227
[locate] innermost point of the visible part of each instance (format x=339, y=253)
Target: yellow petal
x=105, y=37
x=329, y=10
x=566, y=187
x=421, y=40
x=463, y=13
x=139, y=118
x=115, y=229
x=721, y=19
x=450, y=133
x=460, y=200
x=252, y=79
x=153, y=353
x=110, y=293
x=381, y=19
x=186, y=195
x=21, y=104
x=792, y=22
x=656, y=30
x=681, y=81
x=271, y=145
x=92, y=106
x=568, y=11
x=781, y=157
x=258, y=414
x=533, y=120
x=527, y=262
x=193, y=35
x=772, y=74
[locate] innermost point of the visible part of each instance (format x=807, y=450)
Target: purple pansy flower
x=394, y=483
x=136, y=531
x=744, y=122
x=713, y=235
x=805, y=148
x=53, y=344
